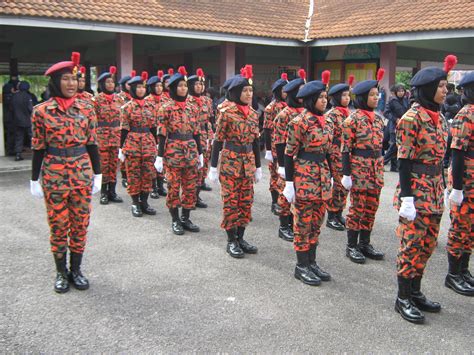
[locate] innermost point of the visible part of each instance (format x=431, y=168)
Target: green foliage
x=404, y=78
x=38, y=83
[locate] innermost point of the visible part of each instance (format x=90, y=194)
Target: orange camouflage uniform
x=66, y=180
x=311, y=134
x=419, y=140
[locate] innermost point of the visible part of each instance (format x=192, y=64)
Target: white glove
x=346, y=181
x=96, y=183
x=121, y=155
x=281, y=172
x=213, y=175
x=36, y=189
x=446, y=199
x=456, y=197
x=268, y=155
x=289, y=191
x=159, y=164
x=332, y=183
x=201, y=161
x=407, y=209
x=258, y=174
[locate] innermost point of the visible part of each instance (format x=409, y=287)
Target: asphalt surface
x=152, y=291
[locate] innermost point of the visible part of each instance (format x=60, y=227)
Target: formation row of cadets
x=65, y=145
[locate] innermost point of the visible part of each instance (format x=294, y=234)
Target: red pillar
x=227, y=63
x=306, y=62
x=124, y=53
x=388, y=61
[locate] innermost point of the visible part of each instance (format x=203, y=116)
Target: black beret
x=311, y=88
x=468, y=79
x=292, y=85
x=428, y=75
x=364, y=87
x=337, y=88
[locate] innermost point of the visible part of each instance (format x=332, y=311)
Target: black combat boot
x=333, y=222
x=244, y=245
x=161, y=188
x=104, y=194
x=233, y=247
x=146, y=208
x=404, y=305
x=420, y=300
x=199, y=202
x=113, y=197
x=454, y=279
x=466, y=275
x=124, y=178
x=303, y=270
x=176, y=224
x=366, y=248
x=136, y=207
x=75, y=276
x=341, y=219
x=352, y=251
x=154, y=193
x=276, y=210
x=19, y=157
x=285, y=232
x=61, y=285
x=323, y=275
x=205, y=187
x=187, y=224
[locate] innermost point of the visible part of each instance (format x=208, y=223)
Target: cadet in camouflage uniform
x=138, y=145
x=237, y=135
x=308, y=180
x=179, y=152
x=107, y=106
x=293, y=108
x=65, y=152
x=210, y=137
x=362, y=167
x=422, y=135
x=271, y=111
x=461, y=233
x=124, y=94
x=340, y=99
x=82, y=94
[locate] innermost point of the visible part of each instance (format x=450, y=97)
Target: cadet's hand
x=346, y=181
x=456, y=197
x=96, y=183
x=268, y=155
x=159, y=164
x=36, y=189
x=281, y=172
x=213, y=175
x=121, y=155
x=446, y=199
x=201, y=161
x=407, y=209
x=289, y=191
x=258, y=174
x=332, y=183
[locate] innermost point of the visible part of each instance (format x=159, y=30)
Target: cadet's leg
x=190, y=177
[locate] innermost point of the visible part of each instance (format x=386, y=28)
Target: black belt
x=470, y=154
x=67, y=152
x=336, y=141
x=367, y=153
x=108, y=124
x=246, y=148
x=427, y=169
x=180, y=136
x=139, y=129
x=312, y=156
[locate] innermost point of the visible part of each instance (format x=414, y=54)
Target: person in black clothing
x=22, y=106
x=450, y=109
x=396, y=108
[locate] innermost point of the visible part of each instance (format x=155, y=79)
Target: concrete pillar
x=124, y=53
x=227, y=63
x=13, y=67
x=306, y=62
x=388, y=61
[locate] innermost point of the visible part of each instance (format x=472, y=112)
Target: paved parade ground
x=152, y=291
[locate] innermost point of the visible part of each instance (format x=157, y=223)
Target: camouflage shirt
x=107, y=108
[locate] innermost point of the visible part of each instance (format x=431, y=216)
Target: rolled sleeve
x=407, y=131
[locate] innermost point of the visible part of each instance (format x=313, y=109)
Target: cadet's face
x=300, y=100
x=246, y=95
x=81, y=83
x=127, y=86
x=182, y=89
x=68, y=85
x=441, y=92
x=284, y=95
x=109, y=84
x=141, y=90
x=159, y=89
x=198, y=87
x=345, y=98
x=166, y=83
x=373, y=98
x=322, y=101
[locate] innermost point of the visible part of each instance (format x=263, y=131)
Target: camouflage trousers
x=182, y=180
x=308, y=218
x=68, y=215
x=461, y=232
x=364, y=206
x=123, y=170
x=139, y=173
x=204, y=170
x=108, y=163
x=237, y=198
x=339, y=193
x=273, y=168
x=282, y=201
x=418, y=240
